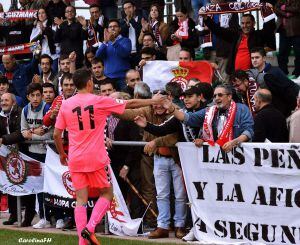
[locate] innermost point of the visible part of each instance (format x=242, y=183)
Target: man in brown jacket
x=165, y=169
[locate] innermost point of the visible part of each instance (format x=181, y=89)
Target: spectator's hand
x=141, y=64
x=1, y=141
x=108, y=143
x=141, y=121
x=214, y=65
x=198, y=142
x=58, y=21
x=202, y=13
x=39, y=131
x=106, y=35
x=82, y=21
x=123, y=172
x=150, y=147
x=145, y=25
x=112, y=36
x=128, y=17
x=269, y=5
x=159, y=98
x=92, y=20
x=36, y=79
x=63, y=159
x=54, y=112
x=27, y=134
x=72, y=56
x=227, y=147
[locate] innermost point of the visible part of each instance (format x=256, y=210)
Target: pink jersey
x=84, y=116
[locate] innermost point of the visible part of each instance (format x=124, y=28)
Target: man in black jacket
x=131, y=28
x=269, y=123
x=10, y=133
x=284, y=90
x=95, y=26
x=70, y=34
x=243, y=40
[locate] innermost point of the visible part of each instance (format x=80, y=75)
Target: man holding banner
x=84, y=116
x=245, y=39
x=226, y=123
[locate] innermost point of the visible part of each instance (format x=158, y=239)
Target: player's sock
x=99, y=210
x=81, y=220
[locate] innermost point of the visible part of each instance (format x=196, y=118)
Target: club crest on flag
x=158, y=73
x=15, y=169
x=180, y=74
x=114, y=212
x=67, y=181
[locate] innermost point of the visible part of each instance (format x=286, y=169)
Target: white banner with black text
x=249, y=195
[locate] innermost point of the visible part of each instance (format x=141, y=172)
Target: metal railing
x=131, y=143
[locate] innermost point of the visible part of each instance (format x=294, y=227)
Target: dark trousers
x=27, y=201
x=148, y=190
x=285, y=46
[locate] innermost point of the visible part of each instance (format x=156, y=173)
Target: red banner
x=24, y=48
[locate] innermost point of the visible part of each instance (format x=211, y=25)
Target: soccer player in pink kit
x=84, y=116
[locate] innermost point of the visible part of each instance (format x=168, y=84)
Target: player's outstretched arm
x=136, y=103
x=59, y=146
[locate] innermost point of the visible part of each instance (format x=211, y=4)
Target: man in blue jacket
x=115, y=52
x=18, y=75
x=226, y=123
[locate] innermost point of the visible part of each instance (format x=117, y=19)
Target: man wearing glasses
x=226, y=123
x=115, y=51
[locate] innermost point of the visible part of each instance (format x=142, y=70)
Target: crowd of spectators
x=257, y=101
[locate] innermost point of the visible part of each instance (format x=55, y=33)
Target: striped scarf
x=226, y=134
x=155, y=30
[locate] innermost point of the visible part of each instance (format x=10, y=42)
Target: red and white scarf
x=156, y=32
x=227, y=131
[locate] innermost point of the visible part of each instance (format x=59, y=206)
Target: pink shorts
x=98, y=179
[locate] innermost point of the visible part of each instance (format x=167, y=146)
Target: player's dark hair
x=81, y=78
